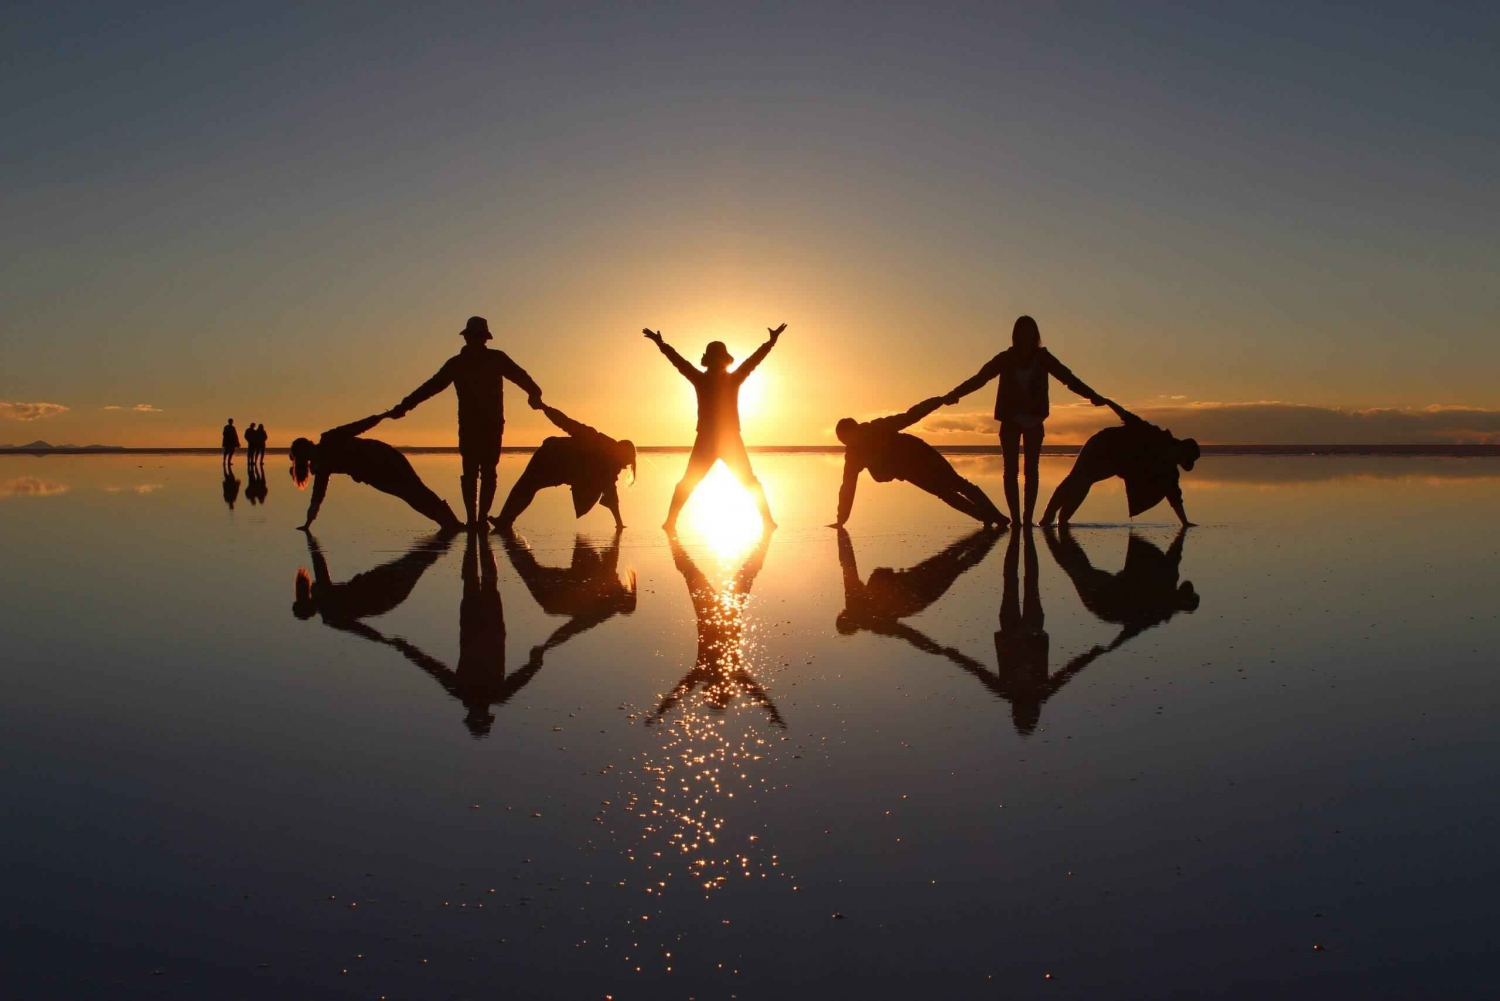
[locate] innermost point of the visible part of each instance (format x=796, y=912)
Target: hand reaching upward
x=777, y=332
x=652, y=335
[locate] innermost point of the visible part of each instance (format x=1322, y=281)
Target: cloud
x=30, y=411
x=30, y=486
x=1264, y=422
x=112, y=407
x=139, y=408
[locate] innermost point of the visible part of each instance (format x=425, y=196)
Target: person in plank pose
x=1021, y=405
x=1145, y=456
x=718, y=437
x=888, y=453
x=588, y=461
x=367, y=461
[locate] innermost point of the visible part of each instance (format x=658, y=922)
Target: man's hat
x=715, y=351
x=477, y=326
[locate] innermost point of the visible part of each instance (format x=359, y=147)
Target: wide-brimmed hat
x=716, y=351
x=476, y=327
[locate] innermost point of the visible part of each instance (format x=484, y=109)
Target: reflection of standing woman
x=718, y=392
x=231, y=442
x=364, y=460
x=1021, y=404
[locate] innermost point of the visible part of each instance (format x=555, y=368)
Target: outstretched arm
x=749, y=364
x=320, y=490
x=1065, y=375
x=1176, y=501
x=576, y=429
x=902, y=421
x=680, y=363
x=439, y=382
x=517, y=375
x=356, y=428
x=846, y=493
x=989, y=371
x=1122, y=413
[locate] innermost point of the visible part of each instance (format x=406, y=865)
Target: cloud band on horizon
x=30, y=411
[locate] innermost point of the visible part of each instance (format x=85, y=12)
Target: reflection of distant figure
x=882, y=448
x=1022, y=405
x=256, y=490
x=588, y=461
x=230, y=442
x=367, y=461
x=231, y=487
x=720, y=665
x=588, y=591
x=1145, y=456
x=1145, y=593
x=477, y=375
x=718, y=437
x=879, y=604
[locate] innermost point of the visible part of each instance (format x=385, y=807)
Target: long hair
x=302, y=459
x=1025, y=330
x=627, y=448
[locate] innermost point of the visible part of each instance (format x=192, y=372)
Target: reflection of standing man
x=231, y=442
x=476, y=375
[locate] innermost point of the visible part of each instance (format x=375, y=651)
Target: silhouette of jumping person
x=1144, y=594
x=367, y=461
x=588, y=461
x=256, y=490
x=476, y=374
x=1022, y=405
x=588, y=591
x=720, y=665
x=231, y=487
x=1145, y=456
x=718, y=435
x=230, y=442
x=879, y=604
x=889, y=454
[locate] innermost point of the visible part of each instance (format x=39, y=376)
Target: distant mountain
x=43, y=446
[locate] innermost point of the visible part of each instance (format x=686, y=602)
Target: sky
x=1264, y=223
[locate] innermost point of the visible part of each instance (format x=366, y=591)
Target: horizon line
x=1457, y=449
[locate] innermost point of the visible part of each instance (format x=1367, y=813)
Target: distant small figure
x=718, y=436
x=256, y=490
x=588, y=461
x=231, y=442
x=476, y=375
x=255, y=444
x=1145, y=456
x=1022, y=405
x=367, y=461
x=231, y=487
x=882, y=448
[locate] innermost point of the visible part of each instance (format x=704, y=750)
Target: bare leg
x=1010, y=448
x=1032, y=440
x=521, y=496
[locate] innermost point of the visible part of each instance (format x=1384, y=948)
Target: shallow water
x=1028, y=767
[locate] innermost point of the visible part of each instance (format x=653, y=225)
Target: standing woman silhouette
x=1021, y=405
x=718, y=420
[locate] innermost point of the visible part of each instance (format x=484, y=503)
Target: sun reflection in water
x=723, y=514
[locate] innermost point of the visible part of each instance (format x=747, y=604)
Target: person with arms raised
x=1022, y=406
x=476, y=374
x=718, y=435
x=888, y=453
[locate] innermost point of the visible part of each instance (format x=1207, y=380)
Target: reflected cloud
x=31, y=486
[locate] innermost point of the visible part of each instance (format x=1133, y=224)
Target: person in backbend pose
x=588, y=591
x=1021, y=405
x=230, y=442
x=476, y=374
x=587, y=460
x=718, y=437
x=881, y=447
x=1145, y=456
x=364, y=460
x=1147, y=592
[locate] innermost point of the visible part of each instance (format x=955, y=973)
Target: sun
x=723, y=513
x=754, y=392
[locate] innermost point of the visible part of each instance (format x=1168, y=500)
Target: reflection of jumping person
x=1145, y=456
x=230, y=442
x=589, y=461
x=882, y=448
x=718, y=437
x=366, y=461
x=476, y=375
x=1021, y=404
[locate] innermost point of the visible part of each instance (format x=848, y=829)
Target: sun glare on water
x=723, y=514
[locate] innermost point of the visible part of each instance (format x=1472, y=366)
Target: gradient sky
x=286, y=214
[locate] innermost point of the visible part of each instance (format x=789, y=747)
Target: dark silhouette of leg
x=1010, y=449
x=1031, y=439
x=988, y=512
x=488, y=481
x=738, y=461
x=468, y=481
x=700, y=461
x=519, y=499
x=954, y=498
x=1067, y=498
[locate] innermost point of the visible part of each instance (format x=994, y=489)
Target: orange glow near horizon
x=723, y=514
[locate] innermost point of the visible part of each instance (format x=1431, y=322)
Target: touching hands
x=395, y=413
x=535, y=402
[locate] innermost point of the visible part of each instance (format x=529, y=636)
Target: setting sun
x=723, y=513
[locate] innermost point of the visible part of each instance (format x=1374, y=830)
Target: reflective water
x=909, y=761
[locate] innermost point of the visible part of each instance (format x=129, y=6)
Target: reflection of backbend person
x=367, y=461
x=1145, y=593
x=476, y=375
x=720, y=664
x=1145, y=456
x=1022, y=405
x=889, y=596
x=718, y=437
x=882, y=448
x=589, y=461
x=588, y=591
x=230, y=441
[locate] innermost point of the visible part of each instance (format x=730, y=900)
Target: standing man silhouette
x=718, y=437
x=476, y=375
x=231, y=442
x=1021, y=404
